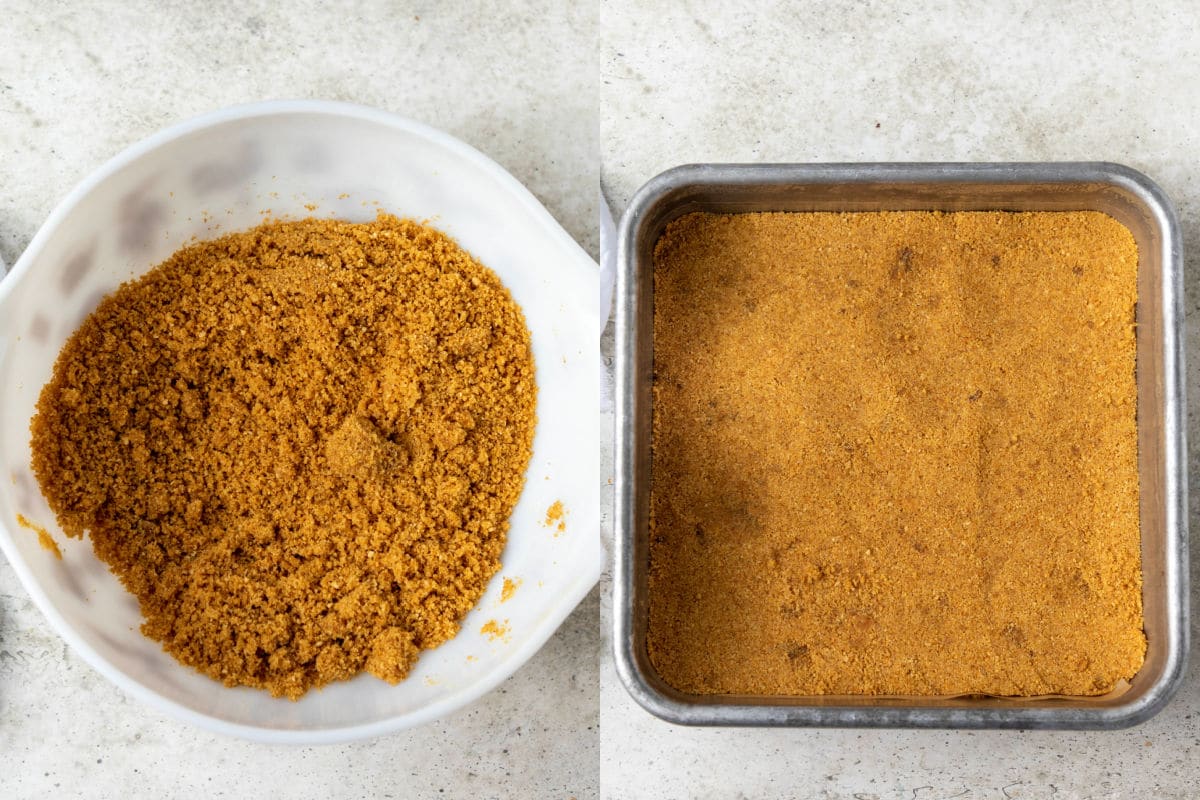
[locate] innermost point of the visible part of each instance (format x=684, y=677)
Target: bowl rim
x=547, y=624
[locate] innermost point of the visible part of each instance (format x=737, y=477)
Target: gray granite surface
x=924, y=81
x=78, y=82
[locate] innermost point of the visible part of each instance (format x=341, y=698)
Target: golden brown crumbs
x=895, y=453
x=509, y=589
x=495, y=630
x=556, y=516
x=298, y=446
x=44, y=538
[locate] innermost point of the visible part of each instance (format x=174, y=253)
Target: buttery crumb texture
x=895, y=453
x=298, y=446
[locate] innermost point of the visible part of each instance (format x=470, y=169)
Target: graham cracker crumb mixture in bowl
x=895, y=453
x=298, y=446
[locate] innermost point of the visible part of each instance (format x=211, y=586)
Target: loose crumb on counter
x=298, y=446
x=895, y=454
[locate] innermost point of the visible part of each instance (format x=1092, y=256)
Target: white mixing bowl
x=220, y=173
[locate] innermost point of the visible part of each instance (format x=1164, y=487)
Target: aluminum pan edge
x=867, y=713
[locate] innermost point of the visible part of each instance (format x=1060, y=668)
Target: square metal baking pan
x=1119, y=191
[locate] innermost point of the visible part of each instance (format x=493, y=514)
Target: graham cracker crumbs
x=509, y=589
x=496, y=630
x=44, y=538
x=895, y=453
x=556, y=516
x=298, y=446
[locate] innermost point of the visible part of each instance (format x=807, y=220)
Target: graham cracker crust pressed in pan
x=895, y=453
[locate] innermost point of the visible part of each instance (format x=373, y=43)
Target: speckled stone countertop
x=76, y=86
x=923, y=81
